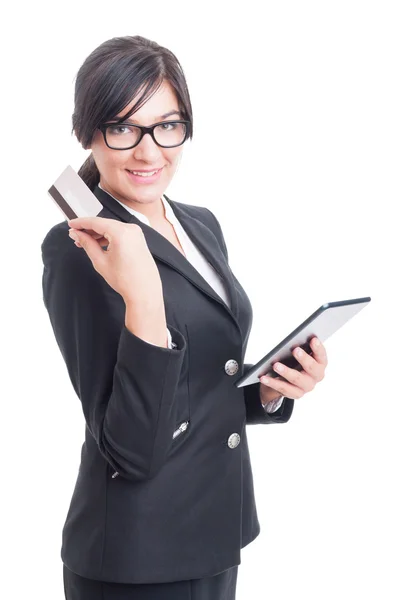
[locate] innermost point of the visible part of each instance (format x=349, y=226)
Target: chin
x=146, y=196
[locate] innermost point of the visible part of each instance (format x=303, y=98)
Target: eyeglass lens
x=166, y=134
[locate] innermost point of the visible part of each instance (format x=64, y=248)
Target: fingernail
x=299, y=352
x=279, y=367
x=316, y=343
x=74, y=236
x=264, y=380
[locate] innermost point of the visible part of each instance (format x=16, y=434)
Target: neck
x=154, y=211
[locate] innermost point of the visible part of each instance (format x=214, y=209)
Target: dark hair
x=111, y=76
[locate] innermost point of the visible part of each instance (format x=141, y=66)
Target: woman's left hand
x=294, y=384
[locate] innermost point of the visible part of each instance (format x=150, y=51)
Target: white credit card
x=73, y=197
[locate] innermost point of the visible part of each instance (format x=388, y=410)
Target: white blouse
x=198, y=260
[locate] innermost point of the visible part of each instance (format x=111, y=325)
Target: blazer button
x=231, y=367
x=234, y=440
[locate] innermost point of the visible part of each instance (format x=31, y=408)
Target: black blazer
x=152, y=502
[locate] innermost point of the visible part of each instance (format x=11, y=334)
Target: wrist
x=147, y=320
x=147, y=297
x=268, y=395
x=272, y=401
x=273, y=405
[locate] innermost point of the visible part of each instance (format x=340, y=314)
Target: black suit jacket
x=150, y=506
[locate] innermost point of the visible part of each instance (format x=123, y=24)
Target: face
x=140, y=193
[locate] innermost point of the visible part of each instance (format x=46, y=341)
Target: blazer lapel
x=160, y=247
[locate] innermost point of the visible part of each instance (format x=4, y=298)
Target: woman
x=153, y=327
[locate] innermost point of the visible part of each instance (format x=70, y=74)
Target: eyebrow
x=168, y=114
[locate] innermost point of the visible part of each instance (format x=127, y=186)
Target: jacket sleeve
x=126, y=385
x=255, y=412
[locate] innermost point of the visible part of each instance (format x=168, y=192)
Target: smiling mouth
x=144, y=173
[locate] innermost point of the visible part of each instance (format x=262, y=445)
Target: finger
x=310, y=364
x=92, y=233
x=97, y=236
x=92, y=224
x=103, y=241
x=283, y=387
x=299, y=379
x=319, y=351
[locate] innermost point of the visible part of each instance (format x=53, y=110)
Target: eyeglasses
x=166, y=134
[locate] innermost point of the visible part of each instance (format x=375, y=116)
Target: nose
x=147, y=150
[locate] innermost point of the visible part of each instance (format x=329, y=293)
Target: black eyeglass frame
x=145, y=130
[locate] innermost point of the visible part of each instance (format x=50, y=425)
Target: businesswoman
x=153, y=327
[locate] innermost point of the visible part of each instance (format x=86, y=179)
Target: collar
x=170, y=216
x=194, y=221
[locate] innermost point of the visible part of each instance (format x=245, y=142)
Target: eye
x=168, y=126
x=115, y=130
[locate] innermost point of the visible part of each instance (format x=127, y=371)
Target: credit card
x=73, y=197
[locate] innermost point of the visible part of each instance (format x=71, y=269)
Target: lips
x=146, y=177
x=139, y=171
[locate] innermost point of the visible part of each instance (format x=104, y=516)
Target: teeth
x=143, y=174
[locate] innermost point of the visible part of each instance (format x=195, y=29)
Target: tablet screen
x=321, y=324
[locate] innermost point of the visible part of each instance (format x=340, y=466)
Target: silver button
x=234, y=440
x=231, y=367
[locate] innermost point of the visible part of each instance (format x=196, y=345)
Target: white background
x=295, y=151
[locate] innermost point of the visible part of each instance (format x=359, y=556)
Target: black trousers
x=218, y=587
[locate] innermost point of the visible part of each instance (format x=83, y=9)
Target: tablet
x=321, y=324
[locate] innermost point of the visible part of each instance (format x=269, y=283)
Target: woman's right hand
x=127, y=265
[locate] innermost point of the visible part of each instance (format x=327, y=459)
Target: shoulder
x=58, y=250
x=56, y=238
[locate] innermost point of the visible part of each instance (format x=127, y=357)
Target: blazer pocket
x=183, y=421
